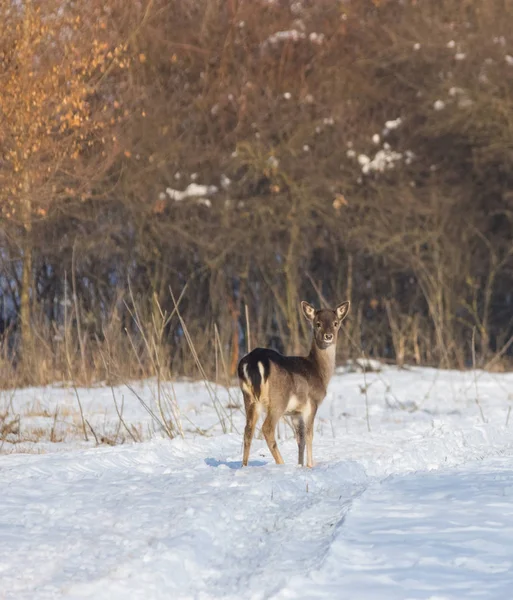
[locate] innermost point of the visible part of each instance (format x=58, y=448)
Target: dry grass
x=35, y=425
x=138, y=351
x=116, y=350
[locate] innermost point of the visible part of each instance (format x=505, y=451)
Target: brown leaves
x=339, y=202
x=159, y=207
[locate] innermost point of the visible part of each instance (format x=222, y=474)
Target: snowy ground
x=420, y=506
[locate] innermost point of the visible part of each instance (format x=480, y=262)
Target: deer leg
x=268, y=430
x=309, y=437
x=299, y=428
x=252, y=414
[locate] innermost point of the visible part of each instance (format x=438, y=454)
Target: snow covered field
x=420, y=506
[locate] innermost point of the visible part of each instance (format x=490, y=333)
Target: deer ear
x=308, y=310
x=342, y=310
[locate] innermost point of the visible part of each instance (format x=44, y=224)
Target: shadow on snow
x=233, y=464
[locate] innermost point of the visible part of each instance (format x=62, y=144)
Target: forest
x=176, y=175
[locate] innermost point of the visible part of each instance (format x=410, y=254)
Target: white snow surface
x=419, y=507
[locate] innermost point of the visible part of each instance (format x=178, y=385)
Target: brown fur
x=290, y=385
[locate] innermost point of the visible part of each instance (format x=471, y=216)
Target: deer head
x=325, y=322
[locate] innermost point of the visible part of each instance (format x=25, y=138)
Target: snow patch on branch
x=383, y=159
x=391, y=125
x=292, y=35
x=193, y=190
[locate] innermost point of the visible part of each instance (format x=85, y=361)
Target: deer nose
x=328, y=337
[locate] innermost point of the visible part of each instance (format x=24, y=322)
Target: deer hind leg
x=252, y=414
x=268, y=429
x=299, y=428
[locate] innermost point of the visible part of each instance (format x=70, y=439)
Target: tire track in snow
x=437, y=534
x=163, y=520
x=292, y=524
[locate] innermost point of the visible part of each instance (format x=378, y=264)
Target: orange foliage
x=53, y=62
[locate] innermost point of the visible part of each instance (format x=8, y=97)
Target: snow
x=316, y=38
x=283, y=36
x=193, y=190
x=393, y=124
x=225, y=181
x=361, y=365
x=448, y=535
x=418, y=507
x=294, y=35
x=296, y=8
x=383, y=160
x=273, y=162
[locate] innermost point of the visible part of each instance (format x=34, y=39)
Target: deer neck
x=323, y=361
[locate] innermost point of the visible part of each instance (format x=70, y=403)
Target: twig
x=68, y=360
x=248, y=329
x=147, y=408
x=215, y=401
x=79, y=404
x=366, y=395
x=93, y=432
x=499, y=354
x=360, y=350
x=475, y=374
x=77, y=312
x=52, y=431
x=223, y=363
x=317, y=289
x=120, y=414
x=153, y=354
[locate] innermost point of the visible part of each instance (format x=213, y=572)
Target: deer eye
x=318, y=324
x=335, y=324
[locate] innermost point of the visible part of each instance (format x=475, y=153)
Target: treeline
x=244, y=155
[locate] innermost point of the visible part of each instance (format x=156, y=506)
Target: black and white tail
x=254, y=371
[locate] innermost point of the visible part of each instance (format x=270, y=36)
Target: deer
x=292, y=386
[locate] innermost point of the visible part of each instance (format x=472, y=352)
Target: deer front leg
x=299, y=428
x=252, y=414
x=309, y=436
x=268, y=430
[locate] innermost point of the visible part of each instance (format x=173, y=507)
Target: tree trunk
x=26, y=219
x=26, y=270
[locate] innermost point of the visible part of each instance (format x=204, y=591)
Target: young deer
x=290, y=385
